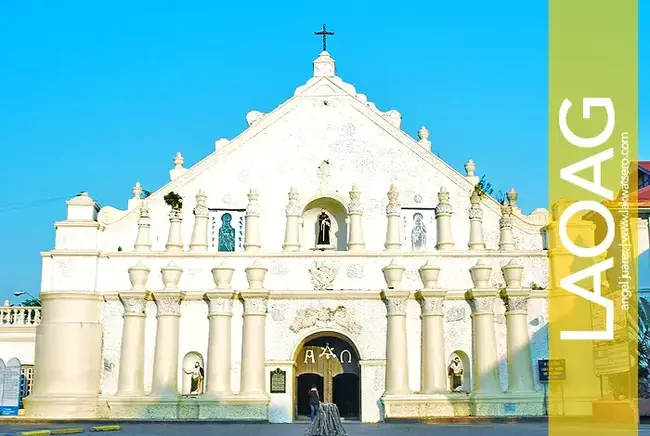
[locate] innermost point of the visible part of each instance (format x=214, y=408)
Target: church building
x=323, y=246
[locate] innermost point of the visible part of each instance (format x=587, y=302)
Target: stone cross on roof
x=325, y=34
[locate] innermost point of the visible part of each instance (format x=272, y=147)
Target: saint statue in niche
x=197, y=379
x=419, y=233
x=455, y=373
x=226, y=234
x=324, y=226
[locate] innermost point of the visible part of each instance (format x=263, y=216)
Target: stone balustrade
x=20, y=316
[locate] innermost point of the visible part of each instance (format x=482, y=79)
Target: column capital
x=134, y=303
x=168, y=303
x=431, y=301
x=354, y=207
x=395, y=301
x=255, y=302
x=219, y=303
x=481, y=301
x=515, y=300
x=293, y=207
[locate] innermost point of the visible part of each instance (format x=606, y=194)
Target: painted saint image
x=455, y=373
x=324, y=227
x=419, y=233
x=197, y=379
x=226, y=233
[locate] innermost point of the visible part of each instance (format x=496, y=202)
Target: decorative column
x=506, y=241
x=355, y=213
x=292, y=230
x=252, y=231
x=199, y=241
x=175, y=238
x=515, y=298
x=253, y=359
x=481, y=300
x=143, y=240
x=395, y=298
x=393, y=212
x=433, y=367
x=131, y=377
x=443, y=221
x=476, y=241
x=165, y=363
x=219, y=316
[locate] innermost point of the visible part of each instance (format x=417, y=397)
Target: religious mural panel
x=227, y=229
x=419, y=229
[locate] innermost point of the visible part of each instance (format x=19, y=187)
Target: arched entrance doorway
x=329, y=361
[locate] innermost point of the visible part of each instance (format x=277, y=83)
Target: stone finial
x=393, y=274
x=506, y=217
x=171, y=275
x=253, y=207
x=138, y=275
x=512, y=274
x=355, y=199
x=201, y=208
x=481, y=273
x=293, y=207
x=324, y=65
x=178, y=169
x=512, y=196
x=443, y=206
x=222, y=275
x=255, y=275
x=179, y=160
x=423, y=134
x=393, y=201
x=470, y=167
x=137, y=191
x=429, y=273
x=6, y=303
x=144, y=210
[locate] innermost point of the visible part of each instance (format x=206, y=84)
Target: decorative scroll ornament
x=432, y=305
x=323, y=317
x=443, y=206
x=482, y=304
x=176, y=215
x=393, y=207
x=323, y=274
x=506, y=217
x=396, y=306
x=515, y=304
x=293, y=207
x=355, y=200
x=253, y=208
x=134, y=305
x=255, y=306
x=201, y=209
x=168, y=306
x=220, y=306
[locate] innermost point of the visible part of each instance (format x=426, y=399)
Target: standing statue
x=197, y=379
x=226, y=234
x=324, y=227
x=455, y=373
x=419, y=233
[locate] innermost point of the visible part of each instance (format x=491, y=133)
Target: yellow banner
x=593, y=142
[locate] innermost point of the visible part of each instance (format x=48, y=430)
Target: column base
x=222, y=408
x=507, y=404
x=422, y=406
x=61, y=407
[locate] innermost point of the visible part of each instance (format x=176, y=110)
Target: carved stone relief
x=324, y=316
x=323, y=274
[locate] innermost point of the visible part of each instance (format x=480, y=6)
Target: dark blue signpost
x=551, y=369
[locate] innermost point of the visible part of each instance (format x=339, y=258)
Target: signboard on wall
x=278, y=381
x=11, y=389
x=551, y=369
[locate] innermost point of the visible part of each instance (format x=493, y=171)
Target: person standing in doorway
x=314, y=401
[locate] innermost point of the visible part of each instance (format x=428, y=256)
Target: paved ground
x=353, y=429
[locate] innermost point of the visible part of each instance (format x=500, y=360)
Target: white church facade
x=322, y=246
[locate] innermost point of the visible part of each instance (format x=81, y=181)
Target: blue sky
x=96, y=96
